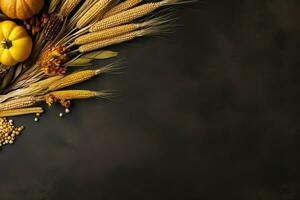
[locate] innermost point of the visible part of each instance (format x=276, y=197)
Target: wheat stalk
x=131, y=14
x=119, y=30
x=96, y=11
x=121, y=7
x=123, y=38
x=68, y=6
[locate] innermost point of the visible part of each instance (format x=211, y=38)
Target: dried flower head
x=53, y=59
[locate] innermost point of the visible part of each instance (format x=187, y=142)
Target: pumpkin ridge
x=16, y=9
x=17, y=33
x=28, y=7
x=23, y=7
x=11, y=26
x=15, y=58
x=6, y=55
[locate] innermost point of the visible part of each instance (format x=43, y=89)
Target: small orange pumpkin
x=21, y=9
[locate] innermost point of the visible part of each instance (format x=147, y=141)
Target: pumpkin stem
x=6, y=44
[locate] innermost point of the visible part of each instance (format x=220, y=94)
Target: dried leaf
x=7, y=78
x=98, y=55
x=18, y=71
x=79, y=62
x=88, y=58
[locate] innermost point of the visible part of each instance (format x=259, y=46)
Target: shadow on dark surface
x=210, y=112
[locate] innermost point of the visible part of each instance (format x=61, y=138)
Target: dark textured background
x=209, y=112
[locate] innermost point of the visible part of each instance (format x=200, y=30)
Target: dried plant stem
x=35, y=89
x=53, y=5
x=69, y=39
x=85, y=7
x=21, y=111
x=26, y=79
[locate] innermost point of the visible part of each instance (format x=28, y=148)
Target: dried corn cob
x=68, y=7
x=72, y=79
x=22, y=111
x=96, y=10
x=46, y=82
x=73, y=94
x=111, y=41
x=78, y=77
x=18, y=103
x=119, y=30
x=54, y=26
x=121, y=7
x=131, y=14
x=104, y=34
x=65, y=95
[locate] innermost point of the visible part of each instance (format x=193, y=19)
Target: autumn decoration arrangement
x=48, y=45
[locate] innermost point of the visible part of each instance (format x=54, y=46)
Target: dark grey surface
x=209, y=112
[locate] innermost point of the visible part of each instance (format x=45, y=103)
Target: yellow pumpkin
x=21, y=9
x=16, y=44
